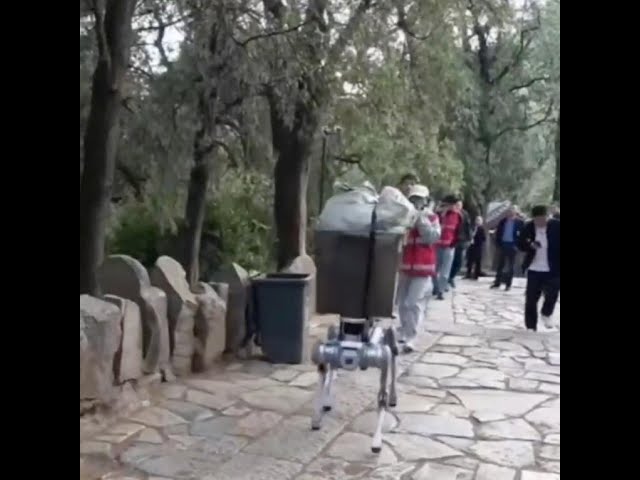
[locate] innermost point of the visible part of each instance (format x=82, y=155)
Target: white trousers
x=413, y=294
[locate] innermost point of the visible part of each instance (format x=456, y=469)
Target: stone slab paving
x=479, y=400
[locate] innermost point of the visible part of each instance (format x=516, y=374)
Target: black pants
x=474, y=261
x=537, y=284
x=456, y=264
x=506, y=264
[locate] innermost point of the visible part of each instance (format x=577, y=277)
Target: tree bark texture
x=556, y=180
x=113, y=28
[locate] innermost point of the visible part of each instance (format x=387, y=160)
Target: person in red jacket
x=418, y=268
x=451, y=224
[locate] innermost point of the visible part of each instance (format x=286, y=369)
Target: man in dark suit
x=540, y=240
x=506, y=239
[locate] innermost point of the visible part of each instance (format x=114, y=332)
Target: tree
x=113, y=36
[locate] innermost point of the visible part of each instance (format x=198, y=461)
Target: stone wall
x=147, y=327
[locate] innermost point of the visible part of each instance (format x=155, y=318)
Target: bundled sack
x=351, y=211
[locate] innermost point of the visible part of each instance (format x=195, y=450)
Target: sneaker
x=452, y=282
x=494, y=285
x=507, y=288
x=547, y=321
x=440, y=296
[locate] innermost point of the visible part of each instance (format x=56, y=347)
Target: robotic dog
x=357, y=343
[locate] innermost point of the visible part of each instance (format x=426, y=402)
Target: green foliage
x=138, y=233
x=238, y=223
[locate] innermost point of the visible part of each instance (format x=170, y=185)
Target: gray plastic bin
x=341, y=261
x=281, y=311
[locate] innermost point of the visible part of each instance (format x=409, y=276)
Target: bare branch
x=272, y=33
x=524, y=128
x=529, y=83
x=525, y=41
x=158, y=43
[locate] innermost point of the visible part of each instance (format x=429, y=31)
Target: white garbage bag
x=351, y=212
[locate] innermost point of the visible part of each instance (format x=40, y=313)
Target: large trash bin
x=281, y=311
x=342, y=281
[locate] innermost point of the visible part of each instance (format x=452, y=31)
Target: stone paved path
x=480, y=400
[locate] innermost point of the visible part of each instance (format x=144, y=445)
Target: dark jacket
x=528, y=236
x=465, y=232
x=479, y=237
x=517, y=228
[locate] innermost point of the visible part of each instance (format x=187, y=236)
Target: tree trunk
x=194, y=216
x=293, y=144
x=290, y=206
x=113, y=27
x=556, y=181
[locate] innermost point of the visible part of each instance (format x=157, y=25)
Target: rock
x=128, y=362
x=482, y=375
x=523, y=384
x=539, y=476
x=157, y=417
x=483, y=416
x=426, y=424
x=237, y=280
x=125, y=277
x=552, y=439
x=508, y=403
x=545, y=418
x=455, y=341
x=417, y=447
x=188, y=411
x=487, y=471
x=550, y=452
x=120, y=432
x=305, y=380
x=256, y=423
x=169, y=276
x=414, y=403
x=292, y=439
x=516, y=429
x=282, y=399
x=510, y=453
x=150, y=435
x=255, y=467
x=543, y=377
x=434, y=471
x=354, y=447
x=451, y=410
x=100, y=334
x=210, y=327
x=444, y=358
x=218, y=401
x=305, y=264
x=433, y=371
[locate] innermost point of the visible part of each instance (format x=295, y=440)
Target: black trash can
x=281, y=313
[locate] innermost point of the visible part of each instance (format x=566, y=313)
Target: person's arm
x=428, y=227
x=525, y=239
x=499, y=232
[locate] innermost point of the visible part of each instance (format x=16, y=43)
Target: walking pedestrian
x=474, y=252
x=506, y=239
x=417, y=269
x=540, y=240
x=464, y=240
x=450, y=224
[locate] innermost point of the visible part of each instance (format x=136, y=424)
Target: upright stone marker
x=99, y=341
x=128, y=361
x=210, y=327
x=125, y=277
x=237, y=279
x=169, y=276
